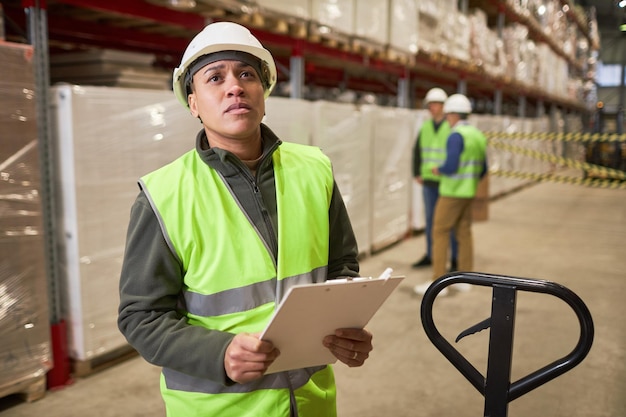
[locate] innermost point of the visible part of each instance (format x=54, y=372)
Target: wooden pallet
x=329, y=37
x=399, y=56
x=279, y=23
x=28, y=389
x=83, y=368
x=368, y=48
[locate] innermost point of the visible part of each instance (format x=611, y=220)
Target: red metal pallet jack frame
x=496, y=387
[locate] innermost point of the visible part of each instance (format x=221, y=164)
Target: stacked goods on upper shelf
x=296, y=8
x=333, y=20
x=429, y=26
x=403, y=25
x=455, y=39
x=24, y=323
x=372, y=21
x=520, y=54
x=109, y=68
x=544, y=53
x=486, y=48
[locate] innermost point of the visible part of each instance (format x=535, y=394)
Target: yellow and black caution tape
x=545, y=177
x=564, y=137
x=592, y=169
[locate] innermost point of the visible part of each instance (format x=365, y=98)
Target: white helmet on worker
x=435, y=95
x=457, y=103
x=218, y=41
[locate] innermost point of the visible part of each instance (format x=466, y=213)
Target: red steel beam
x=104, y=35
x=143, y=10
x=305, y=48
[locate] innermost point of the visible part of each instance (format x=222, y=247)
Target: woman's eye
x=247, y=74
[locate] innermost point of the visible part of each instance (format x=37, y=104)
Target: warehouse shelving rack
x=305, y=55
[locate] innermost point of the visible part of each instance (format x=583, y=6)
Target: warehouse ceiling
x=158, y=27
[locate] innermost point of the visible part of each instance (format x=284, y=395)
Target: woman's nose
x=234, y=87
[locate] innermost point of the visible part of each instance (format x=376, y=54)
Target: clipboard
x=309, y=312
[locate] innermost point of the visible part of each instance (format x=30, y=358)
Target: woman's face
x=228, y=97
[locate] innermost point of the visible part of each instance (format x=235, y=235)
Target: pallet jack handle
x=496, y=387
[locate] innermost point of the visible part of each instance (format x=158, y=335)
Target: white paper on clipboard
x=311, y=311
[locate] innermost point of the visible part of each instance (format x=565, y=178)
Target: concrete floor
x=571, y=235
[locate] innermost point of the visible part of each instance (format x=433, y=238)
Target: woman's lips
x=238, y=108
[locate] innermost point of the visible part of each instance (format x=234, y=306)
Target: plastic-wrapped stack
x=25, y=356
x=372, y=20
x=333, y=18
x=486, y=48
x=393, y=132
x=297, y=126
x=430, y=26
x=403, y=25
x=339, y=130
x=296, y=8
x=107, y=138
x=455, y=39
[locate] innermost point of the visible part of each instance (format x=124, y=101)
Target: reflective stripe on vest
x=271, y=401
x=227, y=302
x=464, y=182
x=433, y=148
x=240, y=292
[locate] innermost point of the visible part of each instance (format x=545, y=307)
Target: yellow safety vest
x=464, y=182
x=433, y=148
x=231, y=282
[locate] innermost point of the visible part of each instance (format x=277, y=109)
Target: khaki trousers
x=452, y=214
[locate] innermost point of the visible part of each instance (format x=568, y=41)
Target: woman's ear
x=191, y=100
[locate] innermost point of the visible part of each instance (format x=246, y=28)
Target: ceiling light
x=621, y=3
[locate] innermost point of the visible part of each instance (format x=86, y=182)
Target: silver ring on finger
x=355, y=355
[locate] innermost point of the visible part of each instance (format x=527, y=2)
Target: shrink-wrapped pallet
x=393, y=132
x=403, y=25
x=289, y=119
x=372, y=20
x=107, y=138
x=455, y=38
x=296, y=8
x=25, y=354
x=486, y=48
x=339, y=130
x=338, y=15
x=429, y=25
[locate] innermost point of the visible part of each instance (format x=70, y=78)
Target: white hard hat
x=219, y=37
x=457, y=103
x=435, y=95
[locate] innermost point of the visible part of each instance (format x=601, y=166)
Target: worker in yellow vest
x=464, y=166
x=430, y=151
x=219, y=235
